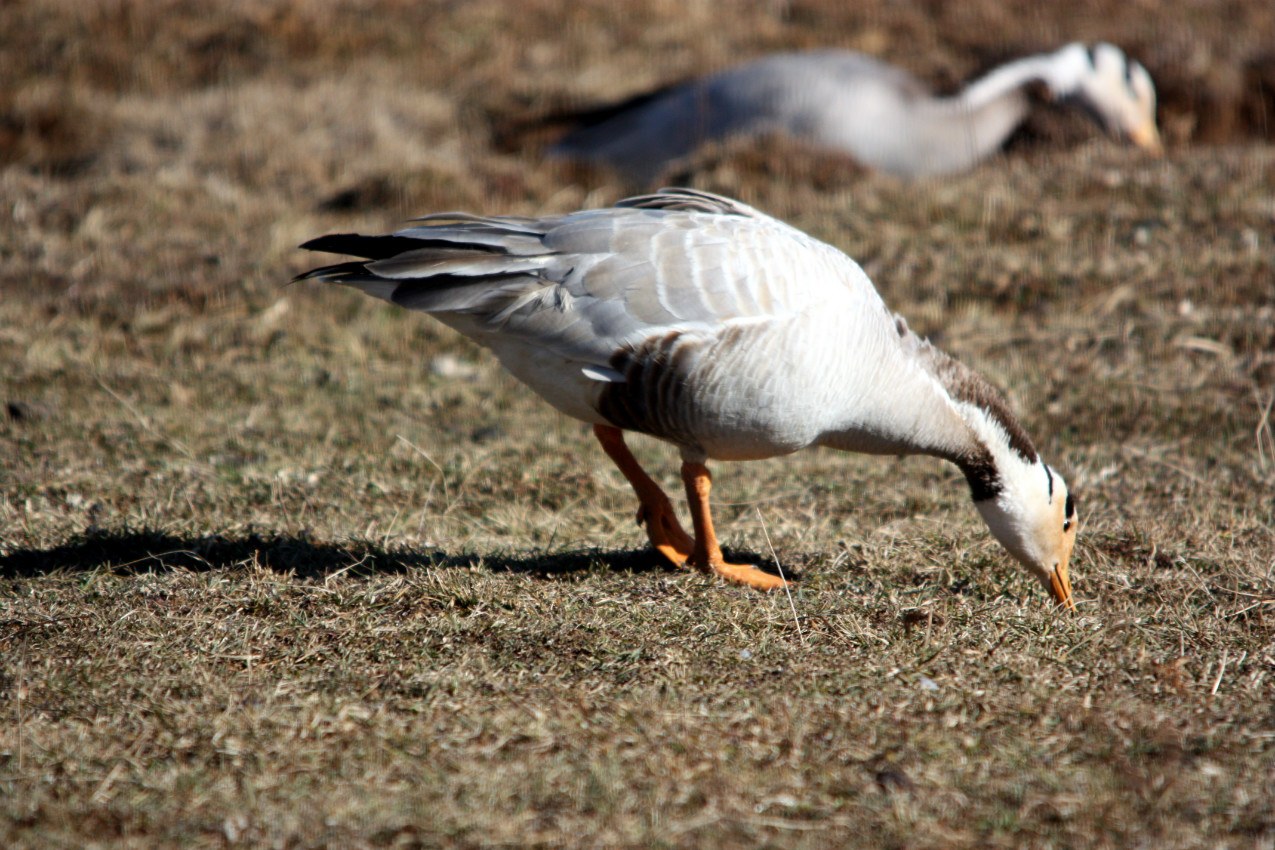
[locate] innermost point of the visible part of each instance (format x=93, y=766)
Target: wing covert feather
x=590, y=284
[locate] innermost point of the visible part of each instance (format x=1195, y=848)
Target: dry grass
x=285, y=567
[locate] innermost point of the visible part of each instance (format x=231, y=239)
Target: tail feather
x=434, y=283
x=336, y=273
x=353, y=274
x=476, y=237
x=510, y=223
x=357, y=245
x=429, y=262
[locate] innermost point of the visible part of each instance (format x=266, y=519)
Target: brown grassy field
x=281, y=566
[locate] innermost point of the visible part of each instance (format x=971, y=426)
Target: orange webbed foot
x=707, y=555
x=745, y=574
x=665, y=531
x=700, y=552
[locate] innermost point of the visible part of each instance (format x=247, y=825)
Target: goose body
x=703, y=322
x=880, y=115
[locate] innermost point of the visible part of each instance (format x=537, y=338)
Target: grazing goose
x=880, y=115
x=701, y=321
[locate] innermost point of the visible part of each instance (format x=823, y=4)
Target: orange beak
x=1147, y=137
x=1060, y=586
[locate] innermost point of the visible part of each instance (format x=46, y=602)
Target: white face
x=1034, y=518
x=1121, y=92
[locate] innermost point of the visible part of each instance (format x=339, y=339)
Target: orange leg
x=707, y=555
x=655, y=509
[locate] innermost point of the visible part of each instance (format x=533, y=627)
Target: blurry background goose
x=881, y=115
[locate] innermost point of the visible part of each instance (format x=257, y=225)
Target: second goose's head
x=1116, y=89
x=1034, y=518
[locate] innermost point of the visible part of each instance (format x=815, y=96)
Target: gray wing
x=592, y=283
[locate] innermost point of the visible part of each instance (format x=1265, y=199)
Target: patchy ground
x=285, y=567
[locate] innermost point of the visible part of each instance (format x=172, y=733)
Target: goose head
x=1117, y=90
x=1034, y=518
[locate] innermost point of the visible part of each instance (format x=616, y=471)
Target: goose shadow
x=130, y=552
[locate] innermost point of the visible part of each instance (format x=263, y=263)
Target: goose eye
x=1066, y=525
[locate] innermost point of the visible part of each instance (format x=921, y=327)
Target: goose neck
x=1061, y=72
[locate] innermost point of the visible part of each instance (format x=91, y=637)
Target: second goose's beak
x=1147, y=137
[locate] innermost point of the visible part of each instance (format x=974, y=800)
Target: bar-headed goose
x=880, y=115
x=701, y=321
